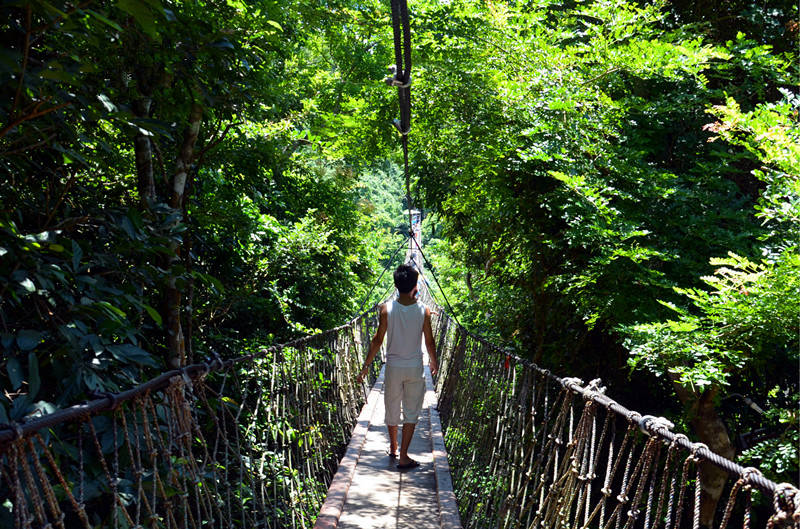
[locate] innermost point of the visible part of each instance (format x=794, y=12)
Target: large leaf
x=34, y=382
x=14, y=369
x=77, y=253
x=130, y=353
x=28, y=339
x=153, y=314
x=143, y=16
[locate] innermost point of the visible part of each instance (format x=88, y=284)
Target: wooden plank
x=337, y=493
x=448, y=506
x=368, y=492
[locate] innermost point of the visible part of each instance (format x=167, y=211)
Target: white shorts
x=406, y=384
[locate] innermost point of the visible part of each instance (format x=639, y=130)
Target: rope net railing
x=251, y=442
x=528, y=449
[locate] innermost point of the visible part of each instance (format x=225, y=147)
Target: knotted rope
x=251, y=441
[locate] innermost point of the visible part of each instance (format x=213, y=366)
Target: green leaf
x=127, y=226
x=77, y=253
x=19, y=408
x=34, y=382
x=153, y=314
x=111, y=308
x=14, y=370
x=28, y=339
x=130, y=353
x=28, y=285
x=104, y=19
x=143, y=16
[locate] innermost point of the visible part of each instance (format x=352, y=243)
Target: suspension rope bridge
x=254, y=441
x=274, y=439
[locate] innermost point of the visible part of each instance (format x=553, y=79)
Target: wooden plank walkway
x=369, y=492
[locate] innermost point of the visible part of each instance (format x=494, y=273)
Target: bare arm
x=375, y=344
x=430, y=343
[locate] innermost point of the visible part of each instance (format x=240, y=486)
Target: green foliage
x=778, y=456
x=563, y=149
x=743, y=328
x=770, y=133
x=748, y=316
x=275, y=235
x=576, y=195
x=198, y=167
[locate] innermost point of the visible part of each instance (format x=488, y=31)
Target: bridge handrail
x=110, y=401
x=652, y=426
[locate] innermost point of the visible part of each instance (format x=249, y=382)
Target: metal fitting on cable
x=569, y=382
x=113, y=398
x=650, y=424
x=399, y=127
x=595, y=386
x=399, y=83
x=680, y=436
x=749, y=473
x=186, y=378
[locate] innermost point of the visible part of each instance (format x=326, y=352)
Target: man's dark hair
x=405, y=278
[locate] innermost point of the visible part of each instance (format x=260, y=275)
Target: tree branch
x=213, y=143
x=25, y=55
x=5, y=130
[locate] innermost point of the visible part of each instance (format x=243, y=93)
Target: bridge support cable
x=401, y=78
x=548, y=447
x=389, y=264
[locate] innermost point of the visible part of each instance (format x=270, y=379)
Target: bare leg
x=408, y=433
x=392, y=438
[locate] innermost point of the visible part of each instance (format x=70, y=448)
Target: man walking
x=405, y=322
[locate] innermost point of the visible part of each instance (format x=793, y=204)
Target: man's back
x=404, y=334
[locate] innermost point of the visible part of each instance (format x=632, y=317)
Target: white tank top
x=404, y=334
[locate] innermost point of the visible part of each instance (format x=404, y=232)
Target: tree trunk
x=709, y=427
x=471, y=291
x=175, y=339
x=144, y=155
x=187, y=263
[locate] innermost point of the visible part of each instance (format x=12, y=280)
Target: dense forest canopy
x=610, y=187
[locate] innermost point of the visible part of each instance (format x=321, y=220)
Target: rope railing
x=529, y=449
x=251, y=441
x=254, y=441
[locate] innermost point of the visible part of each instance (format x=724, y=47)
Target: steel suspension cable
x=436, y=280
x=388, y=264
x=402, y=80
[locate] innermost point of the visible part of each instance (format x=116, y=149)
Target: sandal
x=392, y=455
x=409, y=465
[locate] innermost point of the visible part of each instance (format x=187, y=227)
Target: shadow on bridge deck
x=368, y=492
